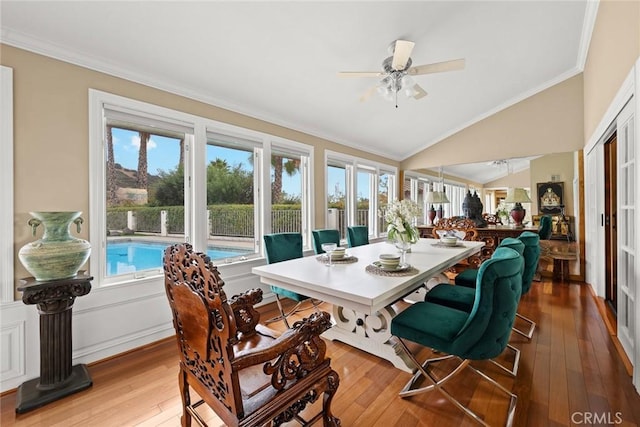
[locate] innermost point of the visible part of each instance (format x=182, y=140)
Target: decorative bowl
x=389, y=261
x=449, y=240
x=338, y=253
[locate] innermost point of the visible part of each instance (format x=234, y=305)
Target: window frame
x=6, y=173
x=415, y=181
x=352, y=166
x=196, y=224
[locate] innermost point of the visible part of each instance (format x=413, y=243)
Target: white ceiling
x=484, y=172
x=278, y=61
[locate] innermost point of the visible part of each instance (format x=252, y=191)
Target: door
x=610, y=214
x=626, y=214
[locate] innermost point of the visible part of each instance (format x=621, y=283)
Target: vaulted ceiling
x=278, y=61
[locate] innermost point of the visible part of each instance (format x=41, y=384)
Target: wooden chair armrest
x=246, y=316
x=299, y=350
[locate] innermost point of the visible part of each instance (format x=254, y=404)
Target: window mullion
x=197, y=227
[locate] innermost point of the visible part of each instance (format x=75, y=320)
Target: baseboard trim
x=612, y=329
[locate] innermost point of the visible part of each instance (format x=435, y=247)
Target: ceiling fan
x=397, y=71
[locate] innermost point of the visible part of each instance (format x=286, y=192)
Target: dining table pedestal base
x=370, y=333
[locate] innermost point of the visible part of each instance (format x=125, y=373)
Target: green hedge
x=225, y=220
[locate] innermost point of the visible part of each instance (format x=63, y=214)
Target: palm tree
x=280, y=164
x=112, y=187
x=142, y=180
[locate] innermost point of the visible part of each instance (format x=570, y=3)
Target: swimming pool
x=131, y=256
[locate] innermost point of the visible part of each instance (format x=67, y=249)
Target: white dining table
x=363, y=300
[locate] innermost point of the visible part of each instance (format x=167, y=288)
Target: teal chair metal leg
x=298, y=307
x=532, y=327
x=438, y=384
x=516, y=362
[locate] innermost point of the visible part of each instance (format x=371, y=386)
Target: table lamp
x=435, y=197
x=517, y=196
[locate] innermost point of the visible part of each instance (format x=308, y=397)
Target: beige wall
x=614, y=48
x=554, y=164
x=548, y=122
x=51, y=147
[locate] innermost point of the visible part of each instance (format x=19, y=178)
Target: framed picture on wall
x=550, y=197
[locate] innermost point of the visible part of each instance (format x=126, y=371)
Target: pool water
x=129, y=257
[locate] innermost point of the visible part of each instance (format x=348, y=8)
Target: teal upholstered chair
x=324, y=236
x=357, y=235
x=483, y=333
x=544, y=232
x=544, y=229
x=282, y=247
x=463, y=298
x=531, y=258
x=468, y=277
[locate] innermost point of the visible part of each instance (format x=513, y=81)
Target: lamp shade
x=436, y=197
x=517, y=195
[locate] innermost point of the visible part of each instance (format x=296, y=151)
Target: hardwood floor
x=570, y=374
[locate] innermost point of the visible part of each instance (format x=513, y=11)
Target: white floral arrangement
x=399, y=216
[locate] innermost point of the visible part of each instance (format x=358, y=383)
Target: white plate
x=399, y=267
x=344, y=258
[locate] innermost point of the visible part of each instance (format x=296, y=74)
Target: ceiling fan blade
x=359, y=74
x=420, y=93
x=365, y=96
x=438, y=67
x=401, y=53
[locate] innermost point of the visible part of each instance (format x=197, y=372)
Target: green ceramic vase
x=57, y=255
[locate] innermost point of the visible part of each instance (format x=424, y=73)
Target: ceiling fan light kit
x=397, y=72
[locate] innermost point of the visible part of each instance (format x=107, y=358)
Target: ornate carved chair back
x=461, y=226
x=204, y=323
x=491, y=219
x=246, y=373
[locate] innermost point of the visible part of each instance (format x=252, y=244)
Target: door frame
x=594, y=175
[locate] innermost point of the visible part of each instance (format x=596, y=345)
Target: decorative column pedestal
x=58, y=378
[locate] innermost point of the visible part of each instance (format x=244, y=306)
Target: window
x=384, y=180
x=456, y=194
x=144, y=195
x=139, y=198
x=159, y=176
x=415, y=188
x=364, y=195
x=356, y=190
x=290, y=189
x=231, y=208
x=336, y=199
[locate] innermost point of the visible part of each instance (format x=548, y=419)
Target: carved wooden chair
x=491, y=219
x=247, y=375
x=465, y=229
x=461, y=226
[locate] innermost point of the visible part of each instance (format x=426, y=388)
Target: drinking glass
x=403, y=246
x=329, y=248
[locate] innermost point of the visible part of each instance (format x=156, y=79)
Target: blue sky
x=163, y=154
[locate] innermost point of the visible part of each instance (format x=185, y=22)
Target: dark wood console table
x=58, y=378
x=491, y=235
